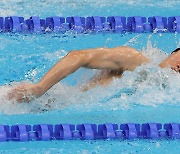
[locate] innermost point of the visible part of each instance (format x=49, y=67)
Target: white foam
x=147, y=85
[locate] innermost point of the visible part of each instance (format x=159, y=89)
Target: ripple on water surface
x=147, y=85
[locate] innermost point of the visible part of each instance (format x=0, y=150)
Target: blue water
x=129, y=99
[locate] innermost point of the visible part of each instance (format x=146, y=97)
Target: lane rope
x=116, y=24
x=129, y=131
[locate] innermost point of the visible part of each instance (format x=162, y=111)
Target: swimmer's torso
x=114, y=58
x=113, y=65
x=103, y=78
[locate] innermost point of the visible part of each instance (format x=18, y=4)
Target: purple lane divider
x=76, y=23
x=107, y=131
x=172, y=130
x=130, y=130
x=35, y=24
x=43, y=132
x=136, y=24
x=64, y=131
x=4, y=133
x=14, y=24
x=95, y=23
x=174, y=24
x=55, y=23
x=151, y=130
x=20, y=132
x=116, y=24
x=1, y=24
x=87, y=131
x=158, y=23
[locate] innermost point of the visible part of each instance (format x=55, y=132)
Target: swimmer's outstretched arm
x=91, y=58
x=67, y=65
x=100, y=58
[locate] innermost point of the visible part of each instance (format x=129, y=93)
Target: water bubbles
x=31, y=74
x=147, y=85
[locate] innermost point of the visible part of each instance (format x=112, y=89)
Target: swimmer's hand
x=24, y=93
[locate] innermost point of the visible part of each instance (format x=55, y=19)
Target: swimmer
x=111, y=61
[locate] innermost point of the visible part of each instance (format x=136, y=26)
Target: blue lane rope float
x=46, y=132
x=117, y=24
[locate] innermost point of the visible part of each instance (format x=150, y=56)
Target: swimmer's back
x=125, y=58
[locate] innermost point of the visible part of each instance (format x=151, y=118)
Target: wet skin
x=111, y=61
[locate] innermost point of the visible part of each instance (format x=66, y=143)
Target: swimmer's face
x=175, y=61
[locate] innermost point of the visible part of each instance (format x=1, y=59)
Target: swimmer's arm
x=164, y=63
x=67, y=65
x=99, y=58
x=90, y=58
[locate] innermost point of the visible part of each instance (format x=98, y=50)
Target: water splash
x=147, y=85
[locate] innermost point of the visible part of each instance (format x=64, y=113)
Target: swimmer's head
x=173, y=60
x=177, y=50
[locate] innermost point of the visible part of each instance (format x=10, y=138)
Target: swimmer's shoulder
x=125, y=49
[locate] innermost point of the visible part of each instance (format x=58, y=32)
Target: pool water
x=149, y=94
